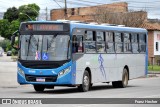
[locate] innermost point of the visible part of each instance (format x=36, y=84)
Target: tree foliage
x=4, y=28
x=130, y=19
x=13, y=17
x=28, y=12
x=7, y=28
x=11, y=21
x=11, y=14
x=5, y=44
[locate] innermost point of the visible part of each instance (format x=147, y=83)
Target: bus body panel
x=113, y=66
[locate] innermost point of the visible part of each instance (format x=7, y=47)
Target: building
x=153, y=41
x=86, y=13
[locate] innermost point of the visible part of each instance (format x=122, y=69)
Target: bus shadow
x=75, y=90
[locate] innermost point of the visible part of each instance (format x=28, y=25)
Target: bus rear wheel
x=86, y=83
x=124, y=82
x=39, y=88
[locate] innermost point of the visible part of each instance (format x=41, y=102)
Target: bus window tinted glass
x=127, y=42
x=118, y=37
x=90, y=47
x=90, y=43
x=126, y=37
x=100, y=42
x=134, y=37
x=134, y=40
x=89, y=36
x=110, y=42
x=118, y=42
x=142, y=42
x=110, y=47
x=109, y=37
x=77, y=44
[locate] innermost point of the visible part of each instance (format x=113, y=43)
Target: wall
x=152, y=39
x=157, y=52
x=85, y=11
x=157, y=39
x=150, y=45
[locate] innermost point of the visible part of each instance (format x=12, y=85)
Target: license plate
x=40, y=79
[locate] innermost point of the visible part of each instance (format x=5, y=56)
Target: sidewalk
x=8, y=74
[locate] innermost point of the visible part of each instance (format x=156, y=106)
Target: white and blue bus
x=57, y=53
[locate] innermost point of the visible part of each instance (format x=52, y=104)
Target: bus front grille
x=42, y=64
x=33, y=78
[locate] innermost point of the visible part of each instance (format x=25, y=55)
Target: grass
x=155, y=68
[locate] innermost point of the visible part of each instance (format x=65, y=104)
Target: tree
x=11, y=14
x=5, y=44
x=7, y=28
x=4, y=28
x=14, y=25
x=12, y=18
x=130, y=19
x=28, y=11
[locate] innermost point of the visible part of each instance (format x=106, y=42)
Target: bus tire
x=84, y=87
x=39, y=88
x=124, y=82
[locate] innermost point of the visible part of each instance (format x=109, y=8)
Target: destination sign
x=44, y=27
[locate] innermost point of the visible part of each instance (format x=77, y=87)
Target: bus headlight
x=21, y=71
x=64, y=71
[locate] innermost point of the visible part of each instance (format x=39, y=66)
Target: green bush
x=5, y=44
x=14, y=52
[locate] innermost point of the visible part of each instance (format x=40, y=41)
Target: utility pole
x=65, y=10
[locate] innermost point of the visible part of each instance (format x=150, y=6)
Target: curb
x=151, y=75
x=154, y=72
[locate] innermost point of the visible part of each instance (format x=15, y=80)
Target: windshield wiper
x=38, y=44
x=49, y=44
x=68, y=49
x=28, y=45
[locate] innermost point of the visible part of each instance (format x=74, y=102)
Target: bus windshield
x=44, y=47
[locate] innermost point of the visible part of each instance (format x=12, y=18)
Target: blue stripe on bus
x=68, y=78
x=146, y=59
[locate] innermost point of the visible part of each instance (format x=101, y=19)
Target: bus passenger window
x=127, y=42
x=118, y=42
x=77, y=44
x=142, y=42
x=74, y=44
x=100, y=42
x=134, y=40
x=109, y=42
x=80, y=43
x=90, y=43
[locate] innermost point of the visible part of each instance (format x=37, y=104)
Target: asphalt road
x=137, y=88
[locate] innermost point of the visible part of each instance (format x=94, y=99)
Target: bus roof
x=94, y=26
x=108, y=28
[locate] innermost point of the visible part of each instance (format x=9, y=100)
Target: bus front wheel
x=124, y=82
x=39, y=88
x=85, y=82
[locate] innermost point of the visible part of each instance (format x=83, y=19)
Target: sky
x=151, y=6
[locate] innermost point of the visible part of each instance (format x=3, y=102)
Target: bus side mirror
x=13, y=39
